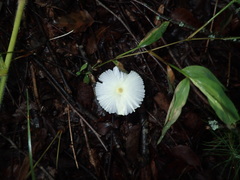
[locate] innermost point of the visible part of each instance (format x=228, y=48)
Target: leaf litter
x=102, y=31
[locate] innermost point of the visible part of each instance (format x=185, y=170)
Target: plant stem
x=210, y=20
x=171, y=44
x=8, y=59
x=29, y=139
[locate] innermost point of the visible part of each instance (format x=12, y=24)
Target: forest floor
x=72, y=137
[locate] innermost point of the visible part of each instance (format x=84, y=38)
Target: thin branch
x=71, y=138
x=78, y=109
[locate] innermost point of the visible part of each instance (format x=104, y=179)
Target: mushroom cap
x=119, y=92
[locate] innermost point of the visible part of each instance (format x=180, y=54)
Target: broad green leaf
x=212, y=88
x=179, y=100
x=154, y=35
x=83, y=67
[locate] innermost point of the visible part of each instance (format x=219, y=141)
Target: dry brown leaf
x=78, y=21
x=187, y=155
x=185, y=16
x=85, y=94
x=162, y=101
x=170, y=76
x=23, y=171
x=145, y=173
x=94, y=39
x=104, y=127
x=154, y=170
x=192, y=121
x=161, y=11
x=132, y=143
x=94, y=160
x=131, y=17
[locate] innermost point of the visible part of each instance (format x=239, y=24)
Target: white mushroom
x=119, y=92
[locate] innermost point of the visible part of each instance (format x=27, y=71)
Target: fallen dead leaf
x=78, y=21
x=161, y=11
x=162, y=101
x=94, y=39
x=187, y=155
x=132, y=143
x=85, y=94
x=185, y=16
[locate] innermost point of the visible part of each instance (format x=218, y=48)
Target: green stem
x=8, y=59
x=119, y=56
x=190, y=38
x=174, y=43
x=210, y=20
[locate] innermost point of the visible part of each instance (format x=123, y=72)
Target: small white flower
x=213, y=124
x=119, y=92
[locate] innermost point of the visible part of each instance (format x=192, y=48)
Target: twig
x=50, y=48
x=211, y=26
x=130, y=32
x=156, y=13
x=63, y=35
x=164, y=17
x=70, y=101
x=60, y=89
x=115, y=15
x=35, y=89
x=91, y=157
x=90, y=127
x=211, y=19
x=71, y=138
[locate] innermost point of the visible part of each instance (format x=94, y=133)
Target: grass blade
x=29, y=139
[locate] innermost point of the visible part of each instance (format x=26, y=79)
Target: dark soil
x=46, y=67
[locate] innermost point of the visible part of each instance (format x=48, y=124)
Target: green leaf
x=83, y=67
x=154, y=35
x=212, y=88
x=179, y=100
x=86, y=79
x=151, y=37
